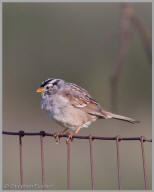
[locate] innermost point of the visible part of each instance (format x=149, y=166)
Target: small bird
x=72, y=106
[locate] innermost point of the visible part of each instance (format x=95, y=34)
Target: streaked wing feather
x=80, y=98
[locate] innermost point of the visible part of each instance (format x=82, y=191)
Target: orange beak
x=40, y=90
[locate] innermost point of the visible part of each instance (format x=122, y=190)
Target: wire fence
x=91, y=138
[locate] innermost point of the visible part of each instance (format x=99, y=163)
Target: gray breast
x=54, y=104
x=47, y=104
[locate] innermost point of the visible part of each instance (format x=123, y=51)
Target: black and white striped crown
x=52, y=81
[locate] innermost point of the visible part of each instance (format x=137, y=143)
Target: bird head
x=50, y=86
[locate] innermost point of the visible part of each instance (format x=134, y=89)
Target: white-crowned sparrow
x=72, y=106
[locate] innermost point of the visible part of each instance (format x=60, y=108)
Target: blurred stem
x=115, y=76
x=145, y=35
x=128, y=16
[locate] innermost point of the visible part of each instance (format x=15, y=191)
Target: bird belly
x=72, y=118
x=67, y=115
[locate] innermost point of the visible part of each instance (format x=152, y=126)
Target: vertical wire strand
x=68, y=165
x=143, y=159
x=118, y=161
x=42, y=162
x=91, y=162
x=21, y=161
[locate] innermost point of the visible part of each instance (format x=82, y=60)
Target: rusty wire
x=21, y=160
x=42, y=159
x=76, y=136
x=42, y=134
x=118, y=161
x=68, y=165
x=143, y=158
x=91, y=162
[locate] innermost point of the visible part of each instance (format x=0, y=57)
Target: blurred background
x=83, y=43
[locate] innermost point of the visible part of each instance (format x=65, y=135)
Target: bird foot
x=56, y=136
x=70, y=137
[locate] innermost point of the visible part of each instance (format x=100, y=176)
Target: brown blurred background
x=78, y=42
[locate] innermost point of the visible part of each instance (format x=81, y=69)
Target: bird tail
x=108, y=115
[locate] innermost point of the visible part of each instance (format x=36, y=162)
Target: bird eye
x=47, y=87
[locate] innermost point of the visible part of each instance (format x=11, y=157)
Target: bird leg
x=56, y=135
x=71, y=134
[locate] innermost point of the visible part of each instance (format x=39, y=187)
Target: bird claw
x=57, y=138
x=69, y=138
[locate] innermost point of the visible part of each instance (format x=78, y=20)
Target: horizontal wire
x=76, y=136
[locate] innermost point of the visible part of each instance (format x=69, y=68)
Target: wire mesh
x=91, y=138
x=118, y=161
x=143, y=158
x=68, y=165
x=21, y=162
x=42, y=160
x=91, y=162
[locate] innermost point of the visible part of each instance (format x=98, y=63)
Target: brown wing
x=81, y=99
